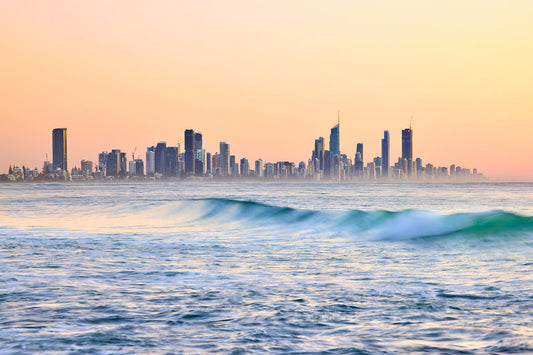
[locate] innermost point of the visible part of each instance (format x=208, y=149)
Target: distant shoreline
x=260, y=181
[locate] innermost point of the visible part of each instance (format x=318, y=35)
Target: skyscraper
x=199, y=155
x=208, y=163
x=259, y=168
x=197, y=141
x=215, y=164
x=123, y=166
x=359, y=150
x=139, y=167
x=189, y=151
x=113, y=163
x=407, y=149
x=334, y=146
x=318, y=153
x=150, y=160
x=59, y=148
x=224, y=158
x=385, y=154
x=160, y=152
x=102, y=162
x=245, y=167
x=359, y=164
x=171, y=161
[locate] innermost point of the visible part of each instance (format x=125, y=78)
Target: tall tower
x=199, y=155
x=334, y=140
x=385, y=154
x=318, y=153
x=59, y=148
x=407, y=149
x=197, y=141
x=224, y=158
x=359, y=150
x=171, y=161
x=160, y=152
x=189, y=151
x=150, y=160
x=113, y=163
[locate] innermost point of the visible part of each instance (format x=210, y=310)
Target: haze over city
x=269, y=78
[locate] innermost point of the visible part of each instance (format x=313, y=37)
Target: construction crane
x=133, y=154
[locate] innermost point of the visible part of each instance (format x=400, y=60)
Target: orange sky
x=269, y=76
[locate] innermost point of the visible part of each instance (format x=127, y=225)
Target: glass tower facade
x=385, y=154
x=59, y=148
x=407, y=149
x=224, y=158
x=359, y=150
x=160, y=152
x=189, y=151
x=334, y=142
x=318, y=153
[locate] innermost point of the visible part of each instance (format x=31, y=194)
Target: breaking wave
x=385, y=225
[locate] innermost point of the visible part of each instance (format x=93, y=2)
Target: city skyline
x=164, y=161
x=130, y=75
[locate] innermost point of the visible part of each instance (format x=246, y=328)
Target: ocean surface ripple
x=280, y=268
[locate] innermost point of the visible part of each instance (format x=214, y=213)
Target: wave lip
x=412, y=224
x=379, y=224
x=228, y=210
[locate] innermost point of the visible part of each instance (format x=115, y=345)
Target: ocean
x=207, y=267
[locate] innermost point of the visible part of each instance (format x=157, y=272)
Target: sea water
x=266, y=267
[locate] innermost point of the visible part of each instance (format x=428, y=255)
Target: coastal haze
x=269, y=78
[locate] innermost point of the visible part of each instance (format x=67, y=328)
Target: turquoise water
x=281, y=268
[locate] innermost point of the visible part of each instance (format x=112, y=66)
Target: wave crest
x=384, y=225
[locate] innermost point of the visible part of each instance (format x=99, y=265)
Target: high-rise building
x=215, y=164
x=377, y=166
x=301, y=170
x=198, y=167
x=452, y=169
x=136, y=167
x=318, y=153
x=197, y=141
x=171, y=161
x=160, y=152
x=199, y=155
x=419, y=167
x=334, y=141
x=359, y=164
x=269, y=170
x=102, y=162
x=113, y=163
x=123, y=168
x=385, y=154
x=259, y=168
x=190, y=151
x=359, y=150
x=59, y=148
x=208, y=163
x=232, y=164
x=245, y=167
x=407, y=149
x=86, y=167
x=224, y=158
x=150, y=160
x=139, y=167
x=133, y=168
x=328, y=164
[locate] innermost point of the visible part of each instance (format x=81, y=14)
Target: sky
x=269, y=77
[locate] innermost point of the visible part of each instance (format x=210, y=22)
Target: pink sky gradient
x=269, y=76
